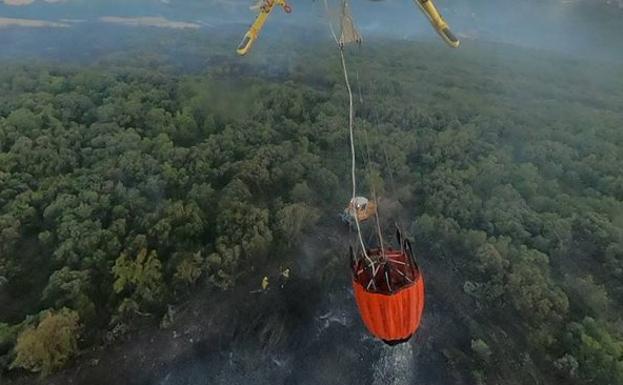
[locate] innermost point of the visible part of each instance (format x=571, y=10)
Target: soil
x=307, y=332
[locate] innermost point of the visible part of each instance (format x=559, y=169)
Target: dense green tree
x=481, y=349
x=139, y=278
x=189, y=269
x=50, y=345
x=67, y=288
x=598, y=352
x=294, y=219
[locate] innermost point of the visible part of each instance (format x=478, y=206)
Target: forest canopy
x=125, y=185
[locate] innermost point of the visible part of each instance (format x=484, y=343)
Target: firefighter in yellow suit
x=265, y=283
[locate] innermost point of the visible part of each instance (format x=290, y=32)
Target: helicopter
x=266, y=7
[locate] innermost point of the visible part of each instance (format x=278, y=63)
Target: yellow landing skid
x=438, y=22
x=265, y=9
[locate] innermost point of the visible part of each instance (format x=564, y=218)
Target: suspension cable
x=377, y=219
x=351, y=117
